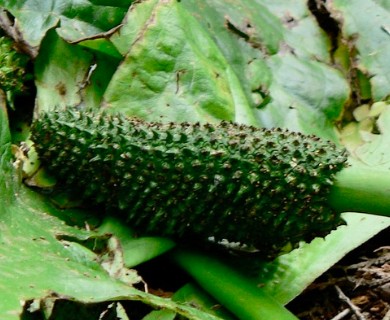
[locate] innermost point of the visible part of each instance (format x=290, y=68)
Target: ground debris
x=357, y=288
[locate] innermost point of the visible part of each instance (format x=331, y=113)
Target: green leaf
x=6, y=177
x=160, y=315
x=83, y=81
x=268, y=25
x=74, y=19
x=300, y=29
x=173, y=70
x=291, y=82
x=246, y=61
x=287, y=276
x=306, y=96
x=369, y=33
x=35, y=264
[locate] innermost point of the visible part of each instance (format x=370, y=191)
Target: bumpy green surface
x=12, y=68
x=260, y=187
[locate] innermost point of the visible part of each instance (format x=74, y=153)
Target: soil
x=356, y=288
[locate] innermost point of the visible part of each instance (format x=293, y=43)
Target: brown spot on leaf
x=60, y=87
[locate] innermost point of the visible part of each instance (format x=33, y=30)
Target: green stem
x=359, y=189
x=235, y=292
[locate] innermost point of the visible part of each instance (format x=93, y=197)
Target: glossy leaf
x=290, y=84
x=74, y=19
x=173, y=70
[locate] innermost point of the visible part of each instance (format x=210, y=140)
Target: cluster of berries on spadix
x=259, y=187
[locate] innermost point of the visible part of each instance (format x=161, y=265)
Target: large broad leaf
x=282, y=58
x=307, y=96
x=173, y=70
x=40, y=256
x=300, y=29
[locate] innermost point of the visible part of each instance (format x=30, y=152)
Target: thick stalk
x=359, y=189
x=235, y=292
